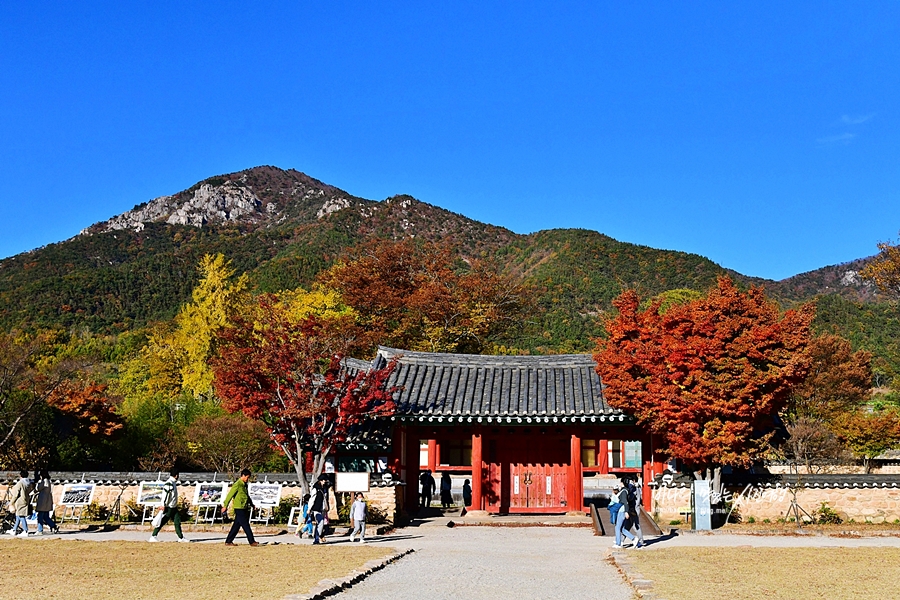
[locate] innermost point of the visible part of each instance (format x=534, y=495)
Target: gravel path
x=495, y=563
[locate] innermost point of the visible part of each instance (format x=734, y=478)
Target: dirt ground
x=781, y=573
x=42, y=569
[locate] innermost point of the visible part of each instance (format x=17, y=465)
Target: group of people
x=624, y=512
x=28, y=497
x=429, y=485
x=315, y=513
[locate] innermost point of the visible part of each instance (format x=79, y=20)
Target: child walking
x=358, y=515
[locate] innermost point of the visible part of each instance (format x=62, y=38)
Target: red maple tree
x=709, y=375
x=292, y=377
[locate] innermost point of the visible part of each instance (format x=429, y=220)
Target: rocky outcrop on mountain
x=261, y=196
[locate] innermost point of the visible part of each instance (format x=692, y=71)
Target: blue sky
x=765, y=136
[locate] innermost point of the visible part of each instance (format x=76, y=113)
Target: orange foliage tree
x=839, y=380
x=868, y=434
x=416, y=296
x=291, y=376
x=89, y=406
x=707, y=376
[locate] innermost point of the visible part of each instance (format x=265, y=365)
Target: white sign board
x=209, y=494
x=351, y=482
x=151, y=493
x=702, y=512
x=265, y=495
x=77, y=494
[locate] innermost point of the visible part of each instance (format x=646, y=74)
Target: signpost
x=702, y=512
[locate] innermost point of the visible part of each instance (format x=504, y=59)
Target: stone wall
x=876, y=505
x=384, y=497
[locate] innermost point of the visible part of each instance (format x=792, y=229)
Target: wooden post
x=603, y=456
x=477, y=473
x=432, y=455
x=575, y=483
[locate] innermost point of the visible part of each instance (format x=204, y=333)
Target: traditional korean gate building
x=528, y=430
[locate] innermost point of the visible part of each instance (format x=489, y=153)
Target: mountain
x=282, y=227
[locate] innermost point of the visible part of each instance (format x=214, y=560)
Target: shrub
x=751, y=520
x=95, y=512
x=825, y=515
x=374, y=515
x=767, y=520
x=281, y=512
x=675, y=522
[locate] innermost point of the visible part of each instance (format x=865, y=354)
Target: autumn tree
x=812, y=446
x=289, y=374
x=417, y=296
x=839, y=380
x=707, y=376
x=868, y=434
x=89, y=406
x=227, y=443
x=175, y=360
x=884, y=270
x=30, y=373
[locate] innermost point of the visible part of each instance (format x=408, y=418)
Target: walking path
x=495, y=563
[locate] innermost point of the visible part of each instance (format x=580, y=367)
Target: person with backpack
x=170, y=508
x=358, y=517
x=20, y=503
x=618, y=510
x=242, y=507
x=634, y=511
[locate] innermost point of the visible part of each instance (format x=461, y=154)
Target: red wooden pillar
x=412, y=467
x=603, y=456
x=432, y=455
x=575, y=483
x=477, y=472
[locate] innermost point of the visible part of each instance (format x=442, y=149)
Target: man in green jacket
x=242, y=506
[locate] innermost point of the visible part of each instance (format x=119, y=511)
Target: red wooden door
x=537, y=487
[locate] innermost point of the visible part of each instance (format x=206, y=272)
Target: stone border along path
x=330, y=587
x=495, y=563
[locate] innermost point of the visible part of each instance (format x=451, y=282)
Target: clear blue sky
x=765, y=136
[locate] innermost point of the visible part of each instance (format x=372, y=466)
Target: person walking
x=358, y=515
x=428, y=486
x=242, y=507
x=446, y=490
x=467, y=493
x=170, y=506
x=44, y=504
x=305, y=527
x=318, y=507
x=620, y=514
x=634, y=511
x=20, y=503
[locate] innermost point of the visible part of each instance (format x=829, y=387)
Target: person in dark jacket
x=428, y=486
x=467, y=493
x=634, y=511
x=318, y=507
x=242, y=507
x=446, y=490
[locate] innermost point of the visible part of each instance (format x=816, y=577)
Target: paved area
x=495, y=563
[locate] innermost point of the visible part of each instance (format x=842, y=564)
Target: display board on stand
x=208, y=498
x=265, y=497
x=150, y=495
x=74, y=498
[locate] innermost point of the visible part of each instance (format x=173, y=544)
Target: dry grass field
x=740, y=573
x=43, y=569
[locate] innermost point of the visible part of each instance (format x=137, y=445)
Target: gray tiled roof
x=463, y=385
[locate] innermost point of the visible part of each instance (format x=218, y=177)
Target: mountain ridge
x=282, y=227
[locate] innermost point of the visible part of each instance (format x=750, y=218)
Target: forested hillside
x=282, y=228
